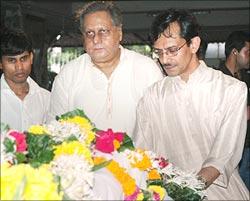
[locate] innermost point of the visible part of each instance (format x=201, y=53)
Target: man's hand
x=208, y=175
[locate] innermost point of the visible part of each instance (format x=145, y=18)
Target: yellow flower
x=140, y=197
x=154, y=174
x=37, y=130
x=85, y=126
x=98, y=160
x=116, y=144
x=22, y=182
x=142, y=164
x=73, y=147
x=158, y=189
x=11, y=178
x=41, y=185
x=127, y=182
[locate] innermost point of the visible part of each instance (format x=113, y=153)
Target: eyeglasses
x=102, y=33
x=171, y=51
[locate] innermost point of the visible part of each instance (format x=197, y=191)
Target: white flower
x=10, y=156
x=60, y=131
x=77, y=179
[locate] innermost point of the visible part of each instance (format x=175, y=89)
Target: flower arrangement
x=58, y=161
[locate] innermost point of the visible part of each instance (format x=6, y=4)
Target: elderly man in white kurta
x=108, y=80
x=196, y=116
x=108, y=102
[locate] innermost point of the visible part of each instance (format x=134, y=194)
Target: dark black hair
x=189, y=26
x=107, y=6
x=14, y=42
x=237, y=40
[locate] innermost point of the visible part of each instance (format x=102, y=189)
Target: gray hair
x=107, y=6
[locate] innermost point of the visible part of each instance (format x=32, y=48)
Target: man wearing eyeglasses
x=108, y=80
x=196, y=116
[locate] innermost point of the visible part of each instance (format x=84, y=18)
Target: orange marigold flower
x=154, y=174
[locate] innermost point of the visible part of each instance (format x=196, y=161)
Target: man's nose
x=97, y=38
x=165, y=58
x=18, y=64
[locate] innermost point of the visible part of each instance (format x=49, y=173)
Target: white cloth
x=109, y=103
x=198, y=124
x=20, y=114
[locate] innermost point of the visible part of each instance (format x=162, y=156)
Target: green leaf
x=9, y=145
x=127, y=143
x=40, y=149
x=101, y=165
x=76, y=112
x=4, y=127
x=178, y=193
x=157, y=182
x=146, y=195
x=71, y=138
x=20, y=157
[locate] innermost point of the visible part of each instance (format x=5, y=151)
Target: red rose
x=105, y=140
x=20, y=140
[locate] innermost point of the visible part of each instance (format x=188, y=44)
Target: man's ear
x=195, y=44
x=31, y=57
x=120, y=32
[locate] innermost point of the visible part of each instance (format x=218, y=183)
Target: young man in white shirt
x=23, y=102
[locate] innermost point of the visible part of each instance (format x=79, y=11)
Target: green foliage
x=76, y=112
x=179, y=193
x=4, y=127
x=40, y=149
x=101, y=165
x=127, y=143
x=9, y=145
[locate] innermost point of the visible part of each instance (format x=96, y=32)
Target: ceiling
x=44, y=20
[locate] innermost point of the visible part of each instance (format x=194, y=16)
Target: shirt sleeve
x=146, y=74
x=142, y=132
x=59, y=98
x=228, y=145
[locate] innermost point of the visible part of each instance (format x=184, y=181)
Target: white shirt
x=109, y=103
x=197, y=124
x=20, y=114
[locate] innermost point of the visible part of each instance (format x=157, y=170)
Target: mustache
x=166, y=65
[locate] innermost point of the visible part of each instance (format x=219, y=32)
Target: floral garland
x=67, y=152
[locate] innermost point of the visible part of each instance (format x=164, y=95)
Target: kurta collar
x=33, y=86
x=198, y=72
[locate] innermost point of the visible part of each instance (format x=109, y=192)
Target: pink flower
x=20, y=140
x=162, y=162
x=134, y=195
x=156, y=196
x=105, y=140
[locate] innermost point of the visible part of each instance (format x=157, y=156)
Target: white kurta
x=198, y=124
x=20, y=114
x=109, y=103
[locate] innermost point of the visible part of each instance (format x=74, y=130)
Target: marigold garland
x=127, y=182
x=140, y=160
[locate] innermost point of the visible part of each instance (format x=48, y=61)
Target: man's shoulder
x=75, y=64
x=138, y=57
x=35, y=88
x=228, y=82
